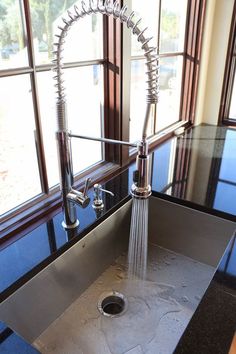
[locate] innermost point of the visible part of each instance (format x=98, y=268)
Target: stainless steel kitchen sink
x=177, y=235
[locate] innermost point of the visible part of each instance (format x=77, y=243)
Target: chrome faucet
x=141, y=187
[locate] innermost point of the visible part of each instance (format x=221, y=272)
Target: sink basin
x=57, y=309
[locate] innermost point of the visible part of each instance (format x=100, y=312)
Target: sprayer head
x=141, y=187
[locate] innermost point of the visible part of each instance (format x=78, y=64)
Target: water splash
x=137, y=327
x=137, y=255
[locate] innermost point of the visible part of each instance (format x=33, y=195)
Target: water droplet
x=148, y=302
x=119, y=269
x=119, y=276
x=167, y=263
x=185, y=299
x=183, y=285
x=198, y=297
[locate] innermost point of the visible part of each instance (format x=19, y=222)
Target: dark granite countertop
x=197, y=170
x=213, y=324
x=11, y=343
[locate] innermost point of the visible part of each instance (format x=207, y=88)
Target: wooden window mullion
x=38, y=132
x=229, y=75
x=192, y=54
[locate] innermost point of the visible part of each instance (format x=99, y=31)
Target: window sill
x=43, y=207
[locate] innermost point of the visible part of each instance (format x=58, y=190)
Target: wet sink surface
x=159, y=309
x=57, y=309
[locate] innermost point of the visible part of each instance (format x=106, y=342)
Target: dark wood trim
x=112, y=87
x=192, y=55
x=74, y=64
x=229, y=75
x=48, y=67
x=40, y=207
x=38, y=132
x=116, y=124
x=16, y=71
x=231, y=123
x=163, y=55
x=125, y=55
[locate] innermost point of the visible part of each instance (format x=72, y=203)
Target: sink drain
x=112, y=304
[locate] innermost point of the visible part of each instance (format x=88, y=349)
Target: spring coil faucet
x=141, y=187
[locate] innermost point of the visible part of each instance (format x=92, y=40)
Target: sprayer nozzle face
x=141, y=193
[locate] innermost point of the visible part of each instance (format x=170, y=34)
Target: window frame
x=229, y=76
x=48, y=195
x=116, y=110
x=191, y=54
x=164, y=55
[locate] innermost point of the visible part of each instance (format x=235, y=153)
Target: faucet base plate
x=72, y=226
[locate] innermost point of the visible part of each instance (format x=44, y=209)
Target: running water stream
x=137, y=254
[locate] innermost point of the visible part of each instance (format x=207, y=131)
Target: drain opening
x=112, y=304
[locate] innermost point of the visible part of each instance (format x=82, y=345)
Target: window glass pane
x=84, y=40
x=172, y=27
x=232, y=111
x=46, y=91
x=19, y=176
x=170, y=91
x=169, y=98
x=149, y=14
x=85, y=110
x=13, y=51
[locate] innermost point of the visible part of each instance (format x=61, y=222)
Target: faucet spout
x=141, y=188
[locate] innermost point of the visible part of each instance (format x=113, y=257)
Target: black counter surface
x=198, y=170
x=11, y=343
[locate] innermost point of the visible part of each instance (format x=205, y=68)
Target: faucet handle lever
x=86, y=186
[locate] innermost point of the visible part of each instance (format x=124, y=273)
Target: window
x=27, y=109
x=95, y=71
x=167, y=21
x=227, y=114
